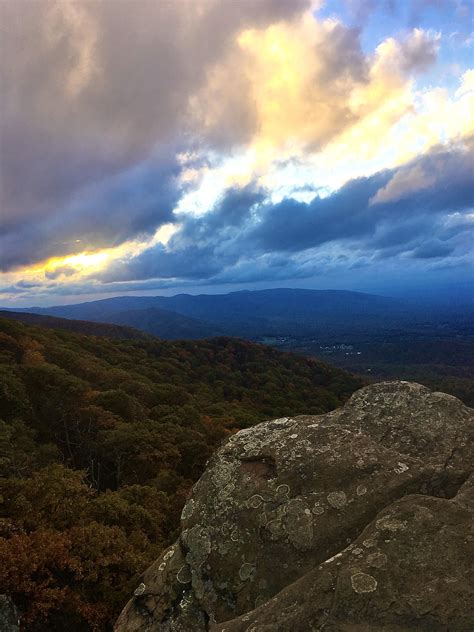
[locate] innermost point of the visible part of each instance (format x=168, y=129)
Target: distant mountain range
x=249, y=314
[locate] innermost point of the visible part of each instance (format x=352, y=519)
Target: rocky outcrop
x=9, y=621
x=359, y=519
x=412, y=568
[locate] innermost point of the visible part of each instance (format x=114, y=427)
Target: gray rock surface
x=9, y=621
x=359, y=519
x=412, y=568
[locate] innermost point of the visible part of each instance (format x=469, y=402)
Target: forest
x=101, y=440
x=443, y=361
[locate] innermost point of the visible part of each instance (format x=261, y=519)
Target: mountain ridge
x=244, y=313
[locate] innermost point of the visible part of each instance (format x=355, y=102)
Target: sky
x=157, y=147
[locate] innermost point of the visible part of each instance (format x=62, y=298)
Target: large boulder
x=341, y=520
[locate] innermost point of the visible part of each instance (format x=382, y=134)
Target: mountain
x=359, y=520
x=245, y=313
x=101, y=440
x=165, y=324
x=131, y=323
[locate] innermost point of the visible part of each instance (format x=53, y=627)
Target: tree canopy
x=100, y=441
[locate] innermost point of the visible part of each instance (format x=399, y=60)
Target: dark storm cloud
x=353, y=212
x=119, y=208
x=247, y=238
x=293, y=226
x=88, y=91
x=202, y=247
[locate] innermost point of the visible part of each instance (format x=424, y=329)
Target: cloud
x=123, y=206
x=200, y=248
x=21, y=287
x=218, y=121
x=351, y=213
x=432, y=249
x=415, y=53
x=89, y=91
x=404, y=182
x=60, y=271
x=246, y=237
x=303, y=82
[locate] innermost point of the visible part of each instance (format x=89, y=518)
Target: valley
x=377, y=337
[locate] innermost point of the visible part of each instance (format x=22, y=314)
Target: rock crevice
x=359, y=519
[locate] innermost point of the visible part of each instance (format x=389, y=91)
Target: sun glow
x=80, y=267
x=86, y=260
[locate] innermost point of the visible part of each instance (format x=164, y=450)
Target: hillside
x=78, y=326
x=129, y=324
x=165, y=324
x=441, y=358
x=100, y=442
